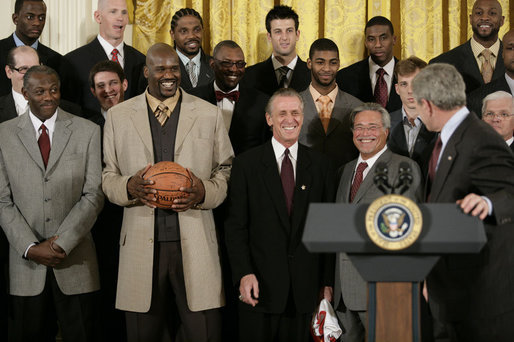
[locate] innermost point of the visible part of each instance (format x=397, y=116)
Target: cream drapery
x=424, y=28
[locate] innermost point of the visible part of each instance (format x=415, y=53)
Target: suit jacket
x=423, y=146
x=47, y=56
x=203, y=146
x=63, y=200
x=348, y=282
x=75, y=74
x=475, y=98
x=463, y=59
x=463, y=287
x=337, y=142
x=248, y=127
x=262, y=77
x=354, y=80
x=206, y=73
x=262, y=239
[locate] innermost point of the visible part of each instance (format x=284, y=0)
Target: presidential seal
x=393, y=222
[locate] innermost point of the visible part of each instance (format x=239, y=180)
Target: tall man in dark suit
x=284, y=69
x=112, y=17
x=187, y=34
x=326, y=125
x=372, y=79
x=469, y=295
x=370, y=125
x=498, y=111
x=271, y=187
x=50, y=181
x=29, y=17
x=243, y=108
x=479, y=60
x=505, y=82
x=409, y=137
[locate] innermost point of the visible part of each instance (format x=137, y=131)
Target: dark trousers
x=4, y=251
x=33, y=318
x=169, y=315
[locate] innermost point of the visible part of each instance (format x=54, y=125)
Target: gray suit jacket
x=63, y=200
x=348, y=281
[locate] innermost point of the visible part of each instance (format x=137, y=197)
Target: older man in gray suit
x=326, y=127
x=50, y=195
x=370, y=124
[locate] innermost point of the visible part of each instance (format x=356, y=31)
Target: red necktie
x=357, y=180
x=115, y=54
x=232, y=96
x=44, y=144
x=434, y=158
x=287, y=176
x=380, y=93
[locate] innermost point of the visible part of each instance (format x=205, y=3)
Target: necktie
x=357, y=180
x=44, y=144
x=283, y=76
x=487, y=69
x=380, y=93
x=162, y=113
x=192, y=74
x=324, y=113
x=232, y=96
x=432, y=165
x=115, y=54
x=287, y=176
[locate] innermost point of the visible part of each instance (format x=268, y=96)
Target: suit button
x=46, y=179
x=151, y=240
x=165, y=150
x=47, y=199
x=47, y=219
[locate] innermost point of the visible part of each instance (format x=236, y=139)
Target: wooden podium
x=393, y=276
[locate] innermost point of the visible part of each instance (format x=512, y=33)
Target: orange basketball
x=168, y=178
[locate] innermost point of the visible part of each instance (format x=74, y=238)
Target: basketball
x=168, y=178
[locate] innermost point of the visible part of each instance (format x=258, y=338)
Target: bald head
x=19, y=60
x=162, y=70
x=508, y=53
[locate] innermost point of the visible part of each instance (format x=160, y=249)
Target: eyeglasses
x=229, y=64
x=372, y=129
x=22, y=70
x=491, y=115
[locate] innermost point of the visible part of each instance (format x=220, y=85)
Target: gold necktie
x=487, y=69
x=324, y=113
x=162, y=113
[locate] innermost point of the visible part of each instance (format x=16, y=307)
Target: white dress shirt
x=280, y=149
x=108, y=50
x=19, y=102
x=227, y=106
x=388, y=76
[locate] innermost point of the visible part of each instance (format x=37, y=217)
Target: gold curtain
x=424, y=28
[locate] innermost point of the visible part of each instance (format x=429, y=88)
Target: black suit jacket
x=206, y=73
x=463, y=59
x=354, y=80
x=475, y=98
x=248, y=127
x=262, y=77
x=78, y=63
x=463, y=287
x=262, y=239
x=47, y=56
x=423, y=146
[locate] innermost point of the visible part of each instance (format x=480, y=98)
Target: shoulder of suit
x=43, y=49
x=349, y=98
x=82, y=50
x=198, y=102
x=257, y=67
x=355, y=66
x=449, y=56
x=136, y=52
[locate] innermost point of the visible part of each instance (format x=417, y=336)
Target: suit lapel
x=312, y=120
x=98, y=51
x=186, y=119
x=185, y=82
x=27, y=136
x=346, y=182
x=338, y=115
x=270, y=82
x=60, y=138
x=206, y=72
x=139, y=117
x=499, y=69
x=368, y=181
x=302, y=188
x=9, y=108
x=472, y=68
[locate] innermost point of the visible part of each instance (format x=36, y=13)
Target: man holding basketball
x=167, y=256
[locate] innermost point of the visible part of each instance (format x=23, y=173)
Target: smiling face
x=228, y=77
x=43, y=95
x=486, y=19
x=323, y=66
x=283, y=37
x=369, y=134
x=380, y=42
x=162, y=71
x=187, y=35
x=112, y=15
x=286, y=119
x=108, y=90
x=30, y=21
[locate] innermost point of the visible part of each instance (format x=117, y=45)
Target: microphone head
x=405, y=167
x=381, y=168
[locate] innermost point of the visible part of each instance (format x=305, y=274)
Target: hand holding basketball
x=136, y=188
x=196, y=195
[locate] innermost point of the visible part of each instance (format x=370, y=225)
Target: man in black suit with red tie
x=29, y=17
x=271, y=187
x=284, y=69
x=372, y=79
x=470, y=296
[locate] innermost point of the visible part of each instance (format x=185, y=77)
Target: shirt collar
x=372, y=160
x=316, y=94
x=509, y=141
x=389, y=67
x=279, y=149
x=477, y=48
x=510, y=83
x=18, y=98
x=277, y=64
x=185, y=59
x=417, y=120
x=216, y=88
x=49, y=124
x=18, y=42
x=451, y=125
x=108, y=47
x=170, y=102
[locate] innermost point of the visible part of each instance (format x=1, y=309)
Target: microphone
x=380, y=179
x=404, y=177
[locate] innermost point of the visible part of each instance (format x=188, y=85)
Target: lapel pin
x=303, y=187
x=449, y=158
